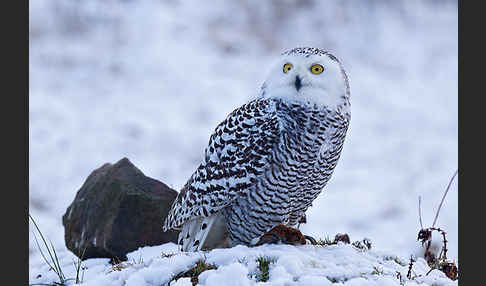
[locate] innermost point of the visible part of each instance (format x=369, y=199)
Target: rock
x=117, y=210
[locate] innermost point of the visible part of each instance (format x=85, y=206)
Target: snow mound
x=341, y=264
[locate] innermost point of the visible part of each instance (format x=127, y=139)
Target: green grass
x=263, y=268
x=376, y=271
x=326, y=241
x=195, y=271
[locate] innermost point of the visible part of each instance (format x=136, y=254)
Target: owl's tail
x=204, y=233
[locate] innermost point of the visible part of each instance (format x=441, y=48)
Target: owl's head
x=310, y=76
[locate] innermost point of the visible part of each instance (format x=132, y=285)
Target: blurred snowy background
x=150, y=81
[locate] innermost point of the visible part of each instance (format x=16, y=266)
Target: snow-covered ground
x=150, y=80
x=291, y=265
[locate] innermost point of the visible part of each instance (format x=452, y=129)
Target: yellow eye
x=317, y=69
x=287, y=67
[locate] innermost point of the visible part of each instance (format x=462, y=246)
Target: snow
x=340, y=264
x=150, y=81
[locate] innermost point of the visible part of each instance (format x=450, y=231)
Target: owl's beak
x=298, y=83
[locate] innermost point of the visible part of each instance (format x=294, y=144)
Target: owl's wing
x=237, y=153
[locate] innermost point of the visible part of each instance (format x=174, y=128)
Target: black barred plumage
x=265, y=163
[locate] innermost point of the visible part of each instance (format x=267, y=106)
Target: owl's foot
x=282, y=234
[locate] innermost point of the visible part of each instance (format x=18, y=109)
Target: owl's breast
x=310, y=145
x=292, y=168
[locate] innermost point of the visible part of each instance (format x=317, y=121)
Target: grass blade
x=57, y=262
x=55, y=266
x=443, y=197
x=42, y=253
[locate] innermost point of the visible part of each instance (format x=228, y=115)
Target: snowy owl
x=270, y=158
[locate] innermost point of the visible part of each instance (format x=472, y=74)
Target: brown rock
x=117, y=210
